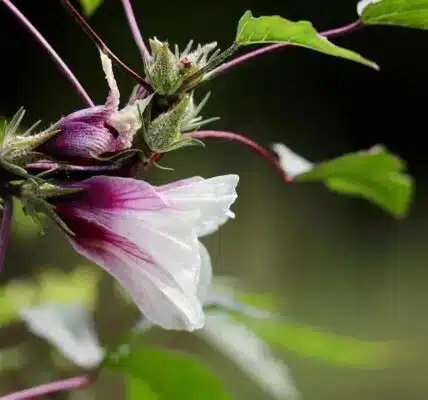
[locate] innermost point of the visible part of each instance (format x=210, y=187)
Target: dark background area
x=340, y=264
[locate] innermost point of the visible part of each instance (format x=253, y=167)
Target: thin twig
x=37, y=392
x=5, y=226
x=136, y=33
x=52, y=53
x=257, y=148
x=102, y=46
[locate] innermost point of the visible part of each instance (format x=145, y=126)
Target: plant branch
x=5, y=226
x=260, y=150
x=136, y=33
x=52, y=53
x=102, y=46
x=37, y=392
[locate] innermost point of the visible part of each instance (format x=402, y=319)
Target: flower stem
x=102, y=46
x=136, y=33
x=267, y=49
x=5, y=227
x=48, y=388
x=260, y=150
x=52, y=53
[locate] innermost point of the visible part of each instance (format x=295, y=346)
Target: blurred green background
x=338, y=264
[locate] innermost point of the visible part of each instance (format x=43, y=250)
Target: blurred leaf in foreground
x=168, y=374
x=248, y=351
x=139, y=390
x=69, y=328
x=13, y=297
x=78, y=286
x=328, y=347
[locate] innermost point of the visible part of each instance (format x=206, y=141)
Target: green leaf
x=407, y=13
x=374, y=174
x=275, y=29
x=250, y=353
x=325, y=346
x=169, y=374
x=77, y=286
x=13, y=297
x=90, y=6
x=139, y=390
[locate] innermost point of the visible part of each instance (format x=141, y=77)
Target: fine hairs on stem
x=50, y=51
x=102, y=46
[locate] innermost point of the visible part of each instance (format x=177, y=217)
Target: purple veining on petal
x=83, y=135
x=96, y=238
x=125, y=226
x=105, y=192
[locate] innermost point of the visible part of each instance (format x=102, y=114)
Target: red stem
x=6, y=222
x=52, y=53
x=102, y=46
x=136, y=33
x=54, y=387
x=260, y=150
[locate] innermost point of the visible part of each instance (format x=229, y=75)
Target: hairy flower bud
x=18, y=149
x=164, y=133
x=164, y=72
x=168, y=71
x=86, y=135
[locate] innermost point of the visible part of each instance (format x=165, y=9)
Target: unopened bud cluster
x=109, y=137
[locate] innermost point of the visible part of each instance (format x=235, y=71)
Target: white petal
x=114, y=95
x=363, y=4
x=291, y=163
x=250, y=353
x=212, y=197
x=157, y=292
x=168, y=236
x=206, y=274
x=204, y=285
x=69, y=329
x=134, y=210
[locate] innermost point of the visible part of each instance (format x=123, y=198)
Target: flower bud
x=168, y=71
x=17, y=150
x=164, y=71
x=164, y=133
x=86, y=135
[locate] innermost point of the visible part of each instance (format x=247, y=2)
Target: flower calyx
x=35, y=197
x=172, y=72
x=164, y=133
x=17, y=150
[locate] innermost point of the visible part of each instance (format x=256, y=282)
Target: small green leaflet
x=90, y=6
x=374, y=174
x=275, y=29
x=165, y=374
x=407, y=13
